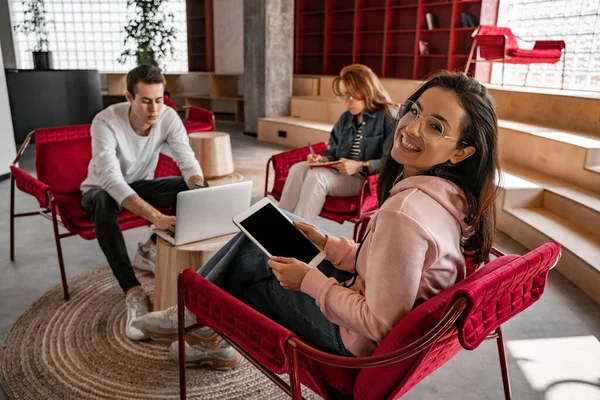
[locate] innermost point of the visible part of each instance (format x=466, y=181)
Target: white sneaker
x=162, y=325
x=138, y=305
x=144, y=259
x=224, y=358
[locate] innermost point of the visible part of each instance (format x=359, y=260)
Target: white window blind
x=89, y=34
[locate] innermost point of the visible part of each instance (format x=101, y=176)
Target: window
x=577, y=22
x=89, y=34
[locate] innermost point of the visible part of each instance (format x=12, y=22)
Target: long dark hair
x=475, y=175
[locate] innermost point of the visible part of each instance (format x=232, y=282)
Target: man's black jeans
x=104, y=211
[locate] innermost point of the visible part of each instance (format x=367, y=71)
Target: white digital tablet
x=275, y=234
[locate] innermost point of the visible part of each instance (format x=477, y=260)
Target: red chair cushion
x=78, y=221
x=523, y=56
x=336, y=205
x=341, y=205
x=196, y=126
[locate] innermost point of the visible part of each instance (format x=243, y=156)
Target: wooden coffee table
x=171, y=260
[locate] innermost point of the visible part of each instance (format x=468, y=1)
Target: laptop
x=207, y=213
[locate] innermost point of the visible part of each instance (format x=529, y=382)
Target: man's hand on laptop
x=165, y=222
x=195, y=180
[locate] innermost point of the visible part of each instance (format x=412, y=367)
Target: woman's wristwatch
x=365, y=167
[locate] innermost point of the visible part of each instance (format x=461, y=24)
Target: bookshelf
x=200, y=37
x=385, y=35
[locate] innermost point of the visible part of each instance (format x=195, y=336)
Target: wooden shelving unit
x=200, y=37
x=385, y=35
x=188, y=88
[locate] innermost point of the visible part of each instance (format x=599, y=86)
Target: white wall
x=6, y=36
x=228, y=17
x=7, y=136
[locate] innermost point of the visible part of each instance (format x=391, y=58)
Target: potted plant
x=150, y=40
x=35, y=23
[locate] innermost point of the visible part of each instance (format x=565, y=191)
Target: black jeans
x=240, y=268
x=105, y=210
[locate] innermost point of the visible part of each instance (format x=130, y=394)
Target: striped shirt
x=355, y=149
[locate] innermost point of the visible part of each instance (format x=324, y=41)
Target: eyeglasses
x=433, y=129
x=346, y=98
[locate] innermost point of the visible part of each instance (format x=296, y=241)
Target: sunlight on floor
x=566, y=367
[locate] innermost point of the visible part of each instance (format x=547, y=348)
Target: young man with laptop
x=126, y=143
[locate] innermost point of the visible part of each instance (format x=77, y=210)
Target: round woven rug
x=78, y=350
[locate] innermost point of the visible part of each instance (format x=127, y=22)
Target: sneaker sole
x=215, y=363
x=208, y=344
x=142, y=263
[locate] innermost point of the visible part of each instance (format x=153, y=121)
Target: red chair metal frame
x=298, y=351
x=300, y=154
x=503, y=38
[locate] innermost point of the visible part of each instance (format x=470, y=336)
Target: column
x=268, y=59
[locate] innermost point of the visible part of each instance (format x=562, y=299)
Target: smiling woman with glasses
x=356, y=143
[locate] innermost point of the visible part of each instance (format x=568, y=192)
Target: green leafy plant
x=149, y=39
x=35, y=23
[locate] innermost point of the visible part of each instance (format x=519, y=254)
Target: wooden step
x=292, y=132
x=530, y=189
x=317, y=108
x=580, y=262
x=568, y=156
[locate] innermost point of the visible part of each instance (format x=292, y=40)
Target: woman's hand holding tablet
x=311, y=232
x=275, y=234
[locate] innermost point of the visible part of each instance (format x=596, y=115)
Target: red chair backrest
x=283, y=162
x=62, y=157
x=167, y=100
x=491, y=46
x=495, y=293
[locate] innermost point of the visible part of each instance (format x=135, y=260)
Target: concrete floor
x=553, y=347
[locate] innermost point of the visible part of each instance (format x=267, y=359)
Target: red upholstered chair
x=198, y=119
x=338, y=209
x=499, y=44
x=61, y=162
x=460, y=317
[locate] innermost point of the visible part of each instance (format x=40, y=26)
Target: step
x=580, y=262
x=317, y=108
x=569, y=156
x=292, y=132
x=530, y=189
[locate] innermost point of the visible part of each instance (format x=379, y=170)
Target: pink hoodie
x=411, y=253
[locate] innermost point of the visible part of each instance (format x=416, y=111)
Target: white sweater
x=120, y=156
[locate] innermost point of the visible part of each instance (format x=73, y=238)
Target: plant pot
x=42, y=60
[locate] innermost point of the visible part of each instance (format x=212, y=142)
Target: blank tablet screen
x=278, y=236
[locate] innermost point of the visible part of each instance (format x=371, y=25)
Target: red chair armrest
x=30, y=185
x=198, y=114
x=549, y=45
x=259, y=336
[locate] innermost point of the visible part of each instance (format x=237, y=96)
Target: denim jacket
x=377, y=134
